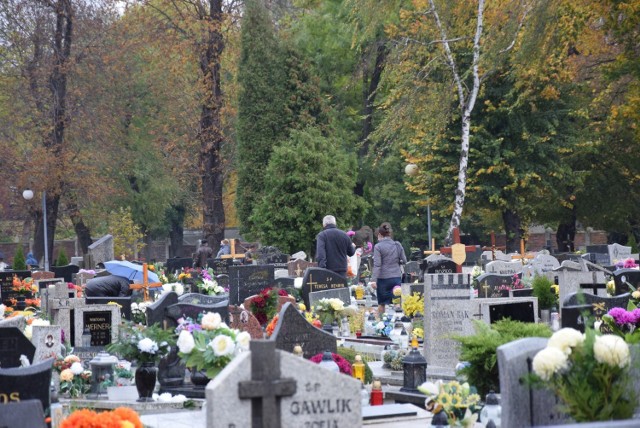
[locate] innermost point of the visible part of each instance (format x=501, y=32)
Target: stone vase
x=544, y=316
x=199, y=377
x=146, y=375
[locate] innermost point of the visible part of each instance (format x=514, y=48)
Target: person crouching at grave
x=333, y=246
x=108, y=286
x=225, y=248
x=388, y=257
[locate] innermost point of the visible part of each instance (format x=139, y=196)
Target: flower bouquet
x=590, y=374
x=384, y=326
x=142, y=344
x=176, y=287
x=623, y=323
x=413, y=304
x=458, y=401
x=211, y=345
x=343, y=364
x=264, y=306
x=74, y=379
x=24, y=286
x=139, y=312
x=330, y=310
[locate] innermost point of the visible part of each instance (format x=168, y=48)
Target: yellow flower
x=302, y=307
x=151, y=268
x=66, y=375
x=336, y=304
x=419, y=332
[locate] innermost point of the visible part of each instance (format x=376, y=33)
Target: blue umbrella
x=131, y=271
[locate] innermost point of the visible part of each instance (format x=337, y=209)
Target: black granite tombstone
x=65, y=272
x=6, y=284
x=285, y=282
x=178, y=263
x=27, y=383
x=223, y=280
x=492, y=285
x=221, y=266
x=23, y=413
x=412, y=271
x=516, y=311
x=293, y=329
x=245, y=281
x=623, y=276
x=202, y=299
x=99, y=324
x=268, y=255
x=124, y=302
x=574, y=316
x=156, y=311
x=441, y=266
x=522, y=292
x=600, y=304
x=319, y=279
x=13, y=344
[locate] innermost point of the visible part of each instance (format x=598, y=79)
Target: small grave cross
x=266, y=388
x=485, y=287
x=458, y=251
x=233, y=254
x=431, y=250
x=145, y=283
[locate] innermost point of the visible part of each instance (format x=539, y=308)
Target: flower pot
x=544, y=316
x=146, y=375
x=119, y=393
x=199, y=377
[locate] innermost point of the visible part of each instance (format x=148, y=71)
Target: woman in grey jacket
x=388, y=255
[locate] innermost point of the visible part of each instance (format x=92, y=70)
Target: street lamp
x=412, y=169
x=28, y=195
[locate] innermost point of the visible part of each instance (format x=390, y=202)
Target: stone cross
x=458, y=249
x=233, y=254
x=265, y=388
x=145, y=283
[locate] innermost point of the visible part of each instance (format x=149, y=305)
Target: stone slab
x=293, y=329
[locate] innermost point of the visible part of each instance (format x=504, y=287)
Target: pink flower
x=622, y=317
x=629, y=264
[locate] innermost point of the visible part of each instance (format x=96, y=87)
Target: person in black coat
x=333, y=246
x=108, y=286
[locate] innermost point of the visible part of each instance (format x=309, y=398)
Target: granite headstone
x=319, y=279
x=245, y=281
x=293, y=329
x=13, y=344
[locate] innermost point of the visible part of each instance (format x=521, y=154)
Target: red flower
x=343, y=364
x=282, y=292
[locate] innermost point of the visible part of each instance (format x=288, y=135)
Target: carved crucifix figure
x=145, y=283
x=266, y=388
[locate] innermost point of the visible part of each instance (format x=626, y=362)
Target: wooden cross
x=493, y=247
x=522, y=256
x=458, y=251
x=145, y=283
x=265, y=389
x=233, y=254
x=431, y=251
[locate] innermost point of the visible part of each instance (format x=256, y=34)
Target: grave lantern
x=101, y=370
x=492, y=410
x=414, y=367
x=328, y=363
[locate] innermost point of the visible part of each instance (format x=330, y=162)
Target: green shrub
x=480, y=350
x=19, y=260
x=542, y=290
x=62, y=258
x=350, y=355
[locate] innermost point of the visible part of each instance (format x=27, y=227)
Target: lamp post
x=412, y=169
x=28, y=195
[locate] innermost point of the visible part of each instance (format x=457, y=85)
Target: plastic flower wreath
x=264, y=306
x=459, y=401
x=121, y=417
x=212, y=346
x=343, y=364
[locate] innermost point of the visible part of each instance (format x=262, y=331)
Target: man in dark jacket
x=108, y=286
x=333, y=246
x=204, y=252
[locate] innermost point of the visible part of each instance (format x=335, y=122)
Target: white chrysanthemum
x=165, y=397
x=336, y=304
x=211, y=321
x=565, y=339
x=549, y=361
x=242, y=339
x=179, y=289
x=178, y=398
x=297, y=283
x=222, y=345
x=167, y=287
x=147, y=345
x=76, y=368
x=611, y=350
x=185, y=342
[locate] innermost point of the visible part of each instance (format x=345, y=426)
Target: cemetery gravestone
x=315, y=397
x=26, y=413
x=491, y=285
x=178, y=263
x=6, y=284
x=65, y=272
x=412, y=270
x=297, y=267
x=319, y=279
x=572, y=282
x=124, y=304
x=269, y=255
x=599, y=254
x=102, y=321
x=285, y=283
x=27, y=383
x=618, y=252
x=100, y=251
x=573, y=316
x=622, y=276
x=600, y=305
x=47, y=340
x=203, y=299
x=545, y=263
x=156, y=311
x=293, y=329
x=18, y=321
x=448, y=310
x=45, y=283
x=503, y=268
x=522, y=404
x=221, y=266
x=524, y=310
x=13, y=344
x=180, y=310
x=441, y=266
x=223, y=280
x=42, y=275
x=245, y=281
x=343, y=294
x=244, y=320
